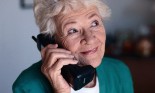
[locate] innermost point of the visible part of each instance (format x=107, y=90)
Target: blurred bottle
x=144, y=45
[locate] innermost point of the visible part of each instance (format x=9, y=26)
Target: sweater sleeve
x=126, y=79
x=114, y=77
x=29, y=87
x=32, y=80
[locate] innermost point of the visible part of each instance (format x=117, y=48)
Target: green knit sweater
x=114, y=77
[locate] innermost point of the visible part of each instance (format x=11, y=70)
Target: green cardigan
x=114, y=77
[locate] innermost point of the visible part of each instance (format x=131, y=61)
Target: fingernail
x=56, y=45
x=76, y=61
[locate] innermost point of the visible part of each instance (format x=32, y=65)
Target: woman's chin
x=94, y=63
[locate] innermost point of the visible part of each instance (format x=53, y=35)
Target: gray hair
x=46, y=10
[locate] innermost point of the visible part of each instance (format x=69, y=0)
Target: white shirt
x=94, y=89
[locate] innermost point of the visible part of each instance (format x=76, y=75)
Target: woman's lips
x=90, y=51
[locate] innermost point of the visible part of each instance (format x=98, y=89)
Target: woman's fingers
x=52, y=48
x=43, y=50
x=61, y=62
x=49, y=51
x=55, y=70
x=53, y=57
x=51, y=54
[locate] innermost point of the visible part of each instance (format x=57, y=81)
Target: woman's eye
x=95, y=23
x=71, y=31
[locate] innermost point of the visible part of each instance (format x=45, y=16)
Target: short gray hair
x=46, y=10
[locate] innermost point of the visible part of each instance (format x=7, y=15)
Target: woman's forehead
x=87, y=12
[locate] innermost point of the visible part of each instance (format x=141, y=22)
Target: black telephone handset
x=75, y=75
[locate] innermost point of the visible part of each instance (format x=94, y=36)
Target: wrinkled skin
x=82, y=35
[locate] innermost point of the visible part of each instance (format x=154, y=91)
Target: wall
x=127, y=14
x=18, y=51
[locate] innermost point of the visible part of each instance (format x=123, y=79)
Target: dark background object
x=26, y=4
x=143, y=73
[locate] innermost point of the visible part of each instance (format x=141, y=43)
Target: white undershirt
x=94, y=89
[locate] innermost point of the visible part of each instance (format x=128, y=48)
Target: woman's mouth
x=90, y=51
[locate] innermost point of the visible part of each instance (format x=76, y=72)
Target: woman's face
x=82, y=32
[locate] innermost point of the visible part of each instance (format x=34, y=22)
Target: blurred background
x=130, y=38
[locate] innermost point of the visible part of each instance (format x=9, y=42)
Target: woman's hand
x=53, y=60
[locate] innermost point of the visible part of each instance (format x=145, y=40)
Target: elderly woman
x=77, y=26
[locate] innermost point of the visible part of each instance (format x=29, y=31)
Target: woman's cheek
x=102, y=36
x=71, y=45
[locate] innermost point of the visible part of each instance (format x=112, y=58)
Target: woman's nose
x=88, y=37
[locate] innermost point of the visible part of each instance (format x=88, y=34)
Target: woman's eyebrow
x=92, y=15
x=70, y=22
